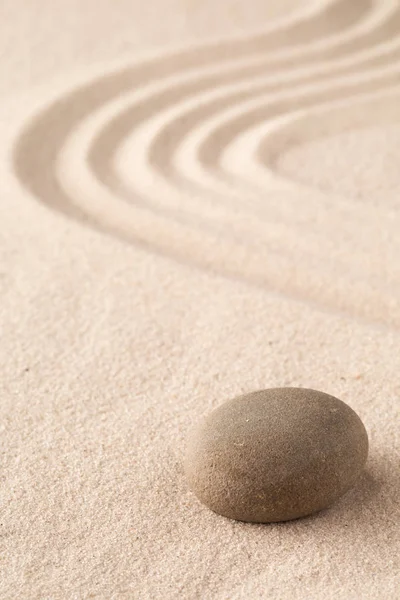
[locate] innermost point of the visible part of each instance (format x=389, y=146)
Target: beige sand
x=198, y=199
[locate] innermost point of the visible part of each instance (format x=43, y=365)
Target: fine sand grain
x=198, y=200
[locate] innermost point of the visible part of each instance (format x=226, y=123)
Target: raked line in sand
x=180, y=151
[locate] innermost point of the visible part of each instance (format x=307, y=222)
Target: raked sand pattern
x=186, y=218
x=185, y=153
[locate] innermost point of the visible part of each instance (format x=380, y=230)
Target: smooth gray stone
x=276, y=454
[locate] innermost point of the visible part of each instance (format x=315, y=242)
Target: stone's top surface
x=276, y=454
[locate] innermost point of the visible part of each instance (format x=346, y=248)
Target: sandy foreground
x=198, y=199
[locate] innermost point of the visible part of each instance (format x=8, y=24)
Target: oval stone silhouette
x=276, y=454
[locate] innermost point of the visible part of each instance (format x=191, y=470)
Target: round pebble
x=276, y=454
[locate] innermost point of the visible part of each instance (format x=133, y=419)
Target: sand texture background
x=197, y=199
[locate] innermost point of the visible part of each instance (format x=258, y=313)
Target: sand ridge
x=192, y=253
x=195, y=120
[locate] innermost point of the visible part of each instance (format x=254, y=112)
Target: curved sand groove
x=254, y=154
x=149, y=183
x=325, y=119
x=33, y=161
x=70, y=111
x=205, y=146
x=71, y=156
x=173, y=97
x=250, y=255
x=169, y=155
x=302, y=128
x=72, y=170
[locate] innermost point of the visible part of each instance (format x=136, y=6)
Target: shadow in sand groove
x=177, y=152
